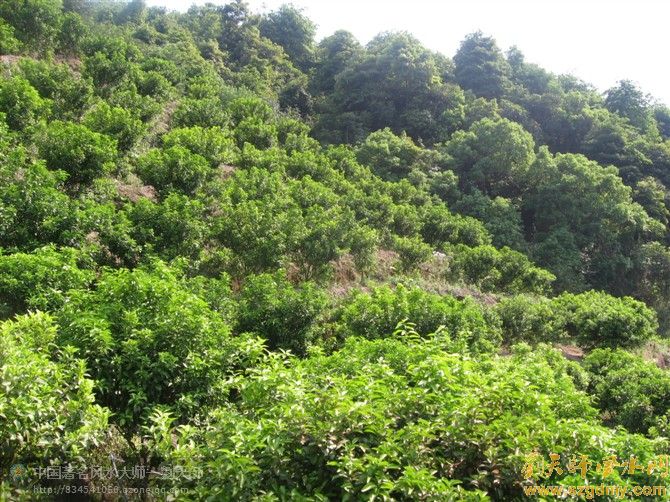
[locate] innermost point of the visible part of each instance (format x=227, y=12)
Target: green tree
x=173, y=169
x=75, y=149
x=391, y=157
x=56, y=419
x=148, y=341
x=630, y=102
x=116, y=122
x=35, y=22
x=334, y=54
x=481, y=67
x=8, y=43
x=492, y=156
x=289, y=28
x=21, y=103
x=39, y=279
x=280, y=312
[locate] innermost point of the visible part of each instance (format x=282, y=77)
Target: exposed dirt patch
x=134, y=190
x=571, y=352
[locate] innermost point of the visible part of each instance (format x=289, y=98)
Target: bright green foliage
x=292, y=188
x=525, y=318
x=397, y=420
x=69, y=94
x=596, y=319
x=77, y=150
x=34, y=209
x=35, y=22
x=214, y=144
x=73, y=31
x=652, y=274
x=592, y=319
x=412, y=251
x=582, y=214
x=629, y=101
x=492, y=156
x=650, y=194
x=39, y=279
x=396, y=83
x=173, y=227
x=391, y=157
x=8, y=43
x=334, y=53
x=173, y=169
x=46, y=403
x=440, y=227
x=289, y=28
x=630, y=391
x=108, y=61
x=21, y=103
x=500, y=217
x=480, y=66
x=377, y=314
x=148, y=341
x=280, y=312
x=494, y=269
x=116, y=122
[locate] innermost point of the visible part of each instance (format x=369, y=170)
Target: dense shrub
x=70, y=94
x=596, y=319
x=378, y=313
x=492, y=269
x=116, y=122
x=592, y=319
x=281, y=313
x=397, y=420
x=35, y=210
x=46, y=404
x=174, y=168
x=75, y=149
x=148, y=341
x=39, y=279
x=628, y=390
x=214, y=143
x=21, y=103
x=525, y=318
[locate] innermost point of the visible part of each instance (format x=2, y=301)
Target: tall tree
x=481, y=67
x=289, y=28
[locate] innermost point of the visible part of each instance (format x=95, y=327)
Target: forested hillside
x=251, y=265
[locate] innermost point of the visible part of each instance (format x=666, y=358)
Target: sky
x=599, y=41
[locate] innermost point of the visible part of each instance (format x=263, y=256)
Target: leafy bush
x=412, y=251
x=628, y=390
x=77, y=150
x=278, y=311
x=21, y=103
x=46, y=403
x=214, y=143
x=440, y=227
x=378, y=313
x=119, y=123
x=398, y=420
x=525, y=318
x=70, y=94
x=596, y=319
x=174, y=168
x=34, y=209
x=391, y=157
x=8, y=43
x=503, y=270
x=148, y=341
x=592, y=319
x=39, y=279
x=173, y=227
